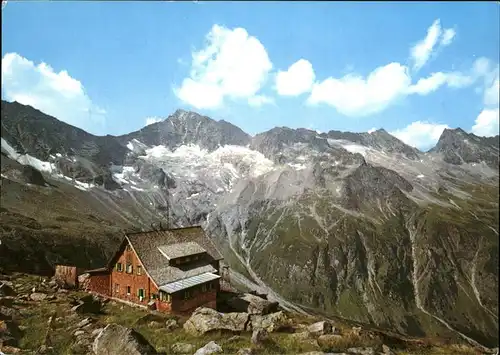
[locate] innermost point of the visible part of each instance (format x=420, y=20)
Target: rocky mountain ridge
x=349, y=218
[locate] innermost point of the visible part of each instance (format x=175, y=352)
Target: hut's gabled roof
x=175, y=242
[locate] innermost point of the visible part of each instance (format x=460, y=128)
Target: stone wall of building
x=198, y=297
x=99, y=283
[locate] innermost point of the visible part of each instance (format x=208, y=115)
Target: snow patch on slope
x=349, y=146
x=26, y=159
x=225, y=165
x=136, y=146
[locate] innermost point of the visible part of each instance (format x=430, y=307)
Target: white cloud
x=233, y=64
x=448, y=36
x=487, y=123
x=492, y=93
x=297, y=80
x=422, y=51
x=354, y=95
x=56, y=94
x=260, y=100
x=436, y=36
x=434, y=81
x=151, y=120
x=372, y=130
x=420, y=134
x=429, y=84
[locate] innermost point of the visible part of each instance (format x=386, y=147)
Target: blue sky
x=108, y=67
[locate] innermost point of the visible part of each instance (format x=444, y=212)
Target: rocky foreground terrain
x=357, y=226
x=39, y=317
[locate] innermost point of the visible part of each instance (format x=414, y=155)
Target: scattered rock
x=361, y=351
x=204, y=320
x=78, y=308
x=8, y=313
x=62, y=290
x=258, y=336
x=154, y=324
x=88, y=304
x=84, y=322
x=150, y=317
x=44, y=349
x=210, y=348
x=38, y=296
x=118, y=340
x=78, y=332
x=52, y=283
x=10, y=350
x=171, y=324
x=96, y=332
x=182, y=348
x=302, y=327
x=271, y=322
x=25, y=312
x=314, y=353
x=356, y=331
x=23, y=297
x=387, y=350
x=320, y=328
x=252, y=304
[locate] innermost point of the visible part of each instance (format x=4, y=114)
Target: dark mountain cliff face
x=34, y=133
x=378, y=139
x=356, y=225
x=459, y=147
x=189, y=128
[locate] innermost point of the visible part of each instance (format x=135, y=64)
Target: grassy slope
x=294, y=254
x=61, y=338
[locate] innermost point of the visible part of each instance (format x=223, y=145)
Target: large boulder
x=320, y=328
x=204, y=320
x=252, y=304
x=33, y=176
x=88, y=304
x=271, y=322
x=210, y=348
x=258, y=336
x=182, y=348
x=118, y=340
